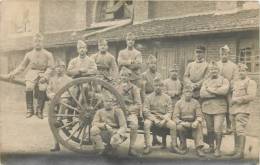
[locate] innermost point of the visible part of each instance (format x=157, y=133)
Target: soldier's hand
x=42, y=80
x=186, y=124
x=83, y=70
x=195, y=124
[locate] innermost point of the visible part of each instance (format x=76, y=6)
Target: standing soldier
x=158, y=112
x=196, y=71
x=228, y=70
x=131, y=59
x=188, y=116
x=106, y=63
x=213, y=92
x=244, y=92
x=109, y=126
x=82, y=65
x=39, y=63
x=148, y=87
x=173, y=85
x=132, y=99
x=59, y=80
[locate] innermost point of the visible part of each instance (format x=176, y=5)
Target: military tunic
x=244, y=92
x=173, y=89
x=106, y=64
x=127, y=57
x=228, y=70
x=189, y=112
x=157, y=106
x=116, y=129
x=148, y=78
x=37, y=62
x=76, y=64
x=214, y=105
x=195, y=73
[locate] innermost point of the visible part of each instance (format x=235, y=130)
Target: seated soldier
x=55, y=84
x=158, y=112
x=188, y=115
x=109, y=126
x=132, y=99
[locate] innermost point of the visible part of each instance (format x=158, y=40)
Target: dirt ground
x=21, y=136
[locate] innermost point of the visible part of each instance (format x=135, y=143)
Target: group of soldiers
x=214, y=92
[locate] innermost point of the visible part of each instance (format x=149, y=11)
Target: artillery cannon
x=73, y=107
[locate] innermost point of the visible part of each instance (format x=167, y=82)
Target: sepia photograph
x=129, y=82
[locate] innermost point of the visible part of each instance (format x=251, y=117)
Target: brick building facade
x=169, y=29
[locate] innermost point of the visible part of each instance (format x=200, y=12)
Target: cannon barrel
x=13, y=81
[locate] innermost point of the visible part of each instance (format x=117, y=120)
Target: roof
x=50, y=40
x=192, y=25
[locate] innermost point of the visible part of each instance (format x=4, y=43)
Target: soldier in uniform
x=109, y=126
x=82, y=65
x=196, y=71
x=132, y=99
x=188, y=116
x=228, y=70
x=59, y=80
x=131, y=59
x=147, y=88
x=158, y=112
x=39, y=63
x=213, y=92
x=106, y=63
x=243, y=93
x=173, y=85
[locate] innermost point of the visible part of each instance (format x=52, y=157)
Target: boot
x=56, y=148
x=199, y=152
x=155, y=141
x=163, y=142
x=147, y=148
x=241, y=147
x=133, y=152
x=218, y=144
x=183, y=142
x=133, y=136
x=236, y=145
x=40, y=104
x=211, y=138
x=29, y=104
x=174, y=147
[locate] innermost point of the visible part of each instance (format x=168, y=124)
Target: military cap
x=125, y=71
x=213, y=65
x=175, y=67
x=38, y=36
x=102, y=41
x=200, y=49
x=151, y=58
x=187, y=88
x=242, y=67
x=224, y=49
x=130, y=35
x=59, y=62
x=158, y=80
x=81, y=43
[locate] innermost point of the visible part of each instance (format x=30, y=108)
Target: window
x=114, y=10
x=247, y=56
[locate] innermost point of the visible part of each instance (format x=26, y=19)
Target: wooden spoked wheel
x=73, y=108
